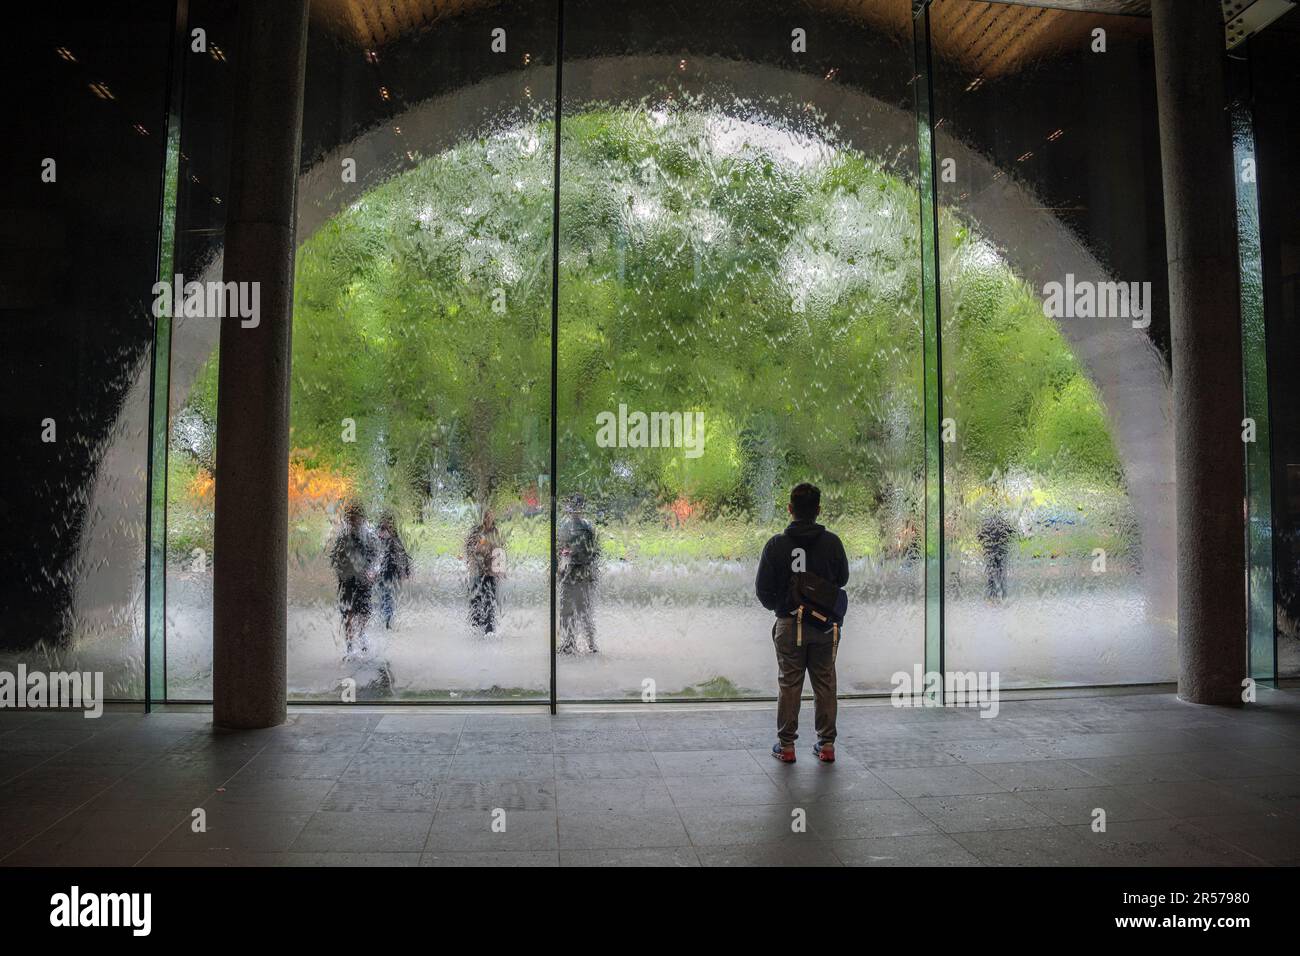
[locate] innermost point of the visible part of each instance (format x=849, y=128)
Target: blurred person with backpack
x=354, y=556
x=801, y=578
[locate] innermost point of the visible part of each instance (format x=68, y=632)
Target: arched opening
x=741, y=273
x=721, y=222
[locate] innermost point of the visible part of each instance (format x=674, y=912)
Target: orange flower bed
x=680, y=510
x=308, y=487
x=315, y=487
x=202, y=486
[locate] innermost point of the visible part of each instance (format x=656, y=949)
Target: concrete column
x=250, y=571
x=1205, y=318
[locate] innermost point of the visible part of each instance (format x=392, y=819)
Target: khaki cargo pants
x=817, y=658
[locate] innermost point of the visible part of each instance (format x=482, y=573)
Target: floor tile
x=507, y=794
x=937, y=781
x=671, y=856
x=729, y=826
x=806, y=852
x=238, y=828
x=923, y=849
x=270, y=793
x=412, y=743
x=1079, y=805
x=620, y=829
x=398, y=768
x=125, y=834
x=481, y=858
x=854, y=820
x=733, y=790
x=1270, y=837
x=1031, y=846
x=599, y=741
x=964, y=813
x=605, y=766
x=687, y=763
x=352, y=831
x=476, y=741
x=513, y=766
x=1196, y=798
x=386, y=796
x=1038, y=775
x=475, y=830
x=1163, y=843
x=618, y=793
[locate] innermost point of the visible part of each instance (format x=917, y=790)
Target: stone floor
x=1179, y=784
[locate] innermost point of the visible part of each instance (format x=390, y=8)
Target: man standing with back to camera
x=800, y=650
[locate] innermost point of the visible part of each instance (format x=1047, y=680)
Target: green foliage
x=422, y=314
x=706, y=265
x=188, y=526
x=1069, y=435
x=777, y=297
x=1011, y=382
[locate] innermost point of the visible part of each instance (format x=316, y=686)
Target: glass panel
x=923, y=96
x=83, y=167
x=421, y=354
x=200, y=232
x=1274, y=85
x=422, y=357
x=1059, y=460
x=739, y=311
x=1255, y=431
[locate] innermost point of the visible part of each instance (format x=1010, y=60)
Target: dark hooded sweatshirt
x=825, y=557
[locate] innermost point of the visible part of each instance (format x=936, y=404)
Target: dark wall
x=420, y=65
x=79, y=258
x=1101, y=178
x=207, y=111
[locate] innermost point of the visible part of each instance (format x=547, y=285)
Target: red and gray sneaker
x=783, y=754
x=824, y=752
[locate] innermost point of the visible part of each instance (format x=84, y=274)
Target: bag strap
x=798, y=639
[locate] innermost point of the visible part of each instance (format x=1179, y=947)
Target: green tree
x=764, y=279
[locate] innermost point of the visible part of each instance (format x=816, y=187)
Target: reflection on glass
x=421, y=370
x=1274, y=85
x=191, y=460
x=1261, y=646
x=739, y=312
x=421, y=396
x=81, y=212
x=421, y=374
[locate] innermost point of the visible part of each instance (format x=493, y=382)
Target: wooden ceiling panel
x=986, y=38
